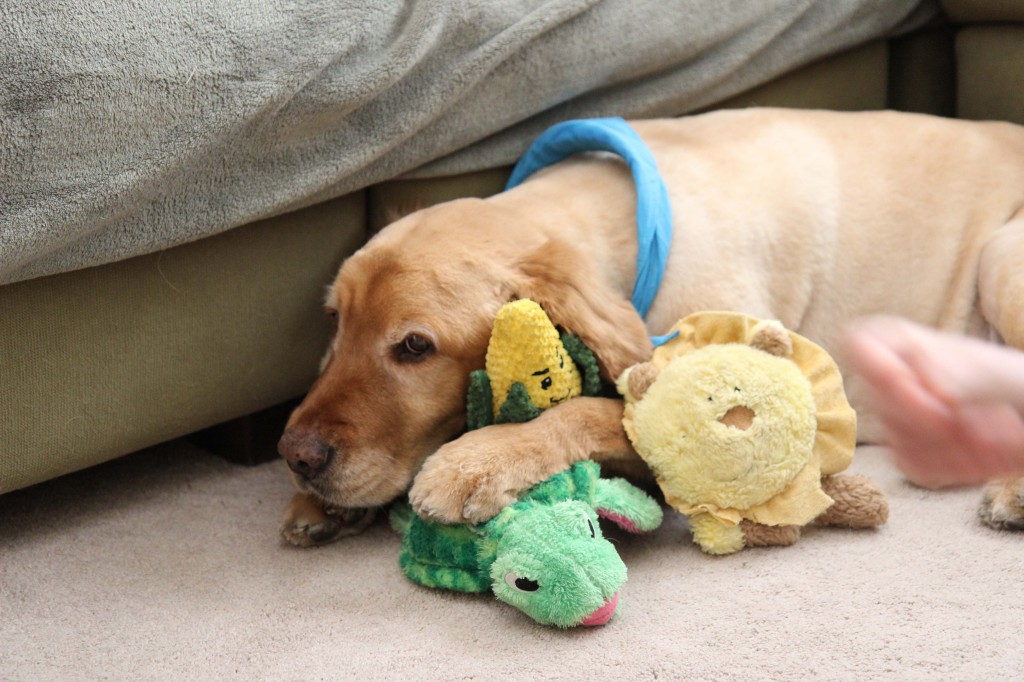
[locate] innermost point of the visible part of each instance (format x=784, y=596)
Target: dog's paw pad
x=336, y=524
x=1002, y=505
x=307, y=535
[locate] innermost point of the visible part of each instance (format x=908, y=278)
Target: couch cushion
x=389, y=201
x=964, y=11
x=990, y=71
x=854, y=80
x=100, y=362
x=922, y=72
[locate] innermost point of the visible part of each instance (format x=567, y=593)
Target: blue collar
x=653, y=209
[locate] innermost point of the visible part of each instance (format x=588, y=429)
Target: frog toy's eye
x=521, y=584
x=590, y=524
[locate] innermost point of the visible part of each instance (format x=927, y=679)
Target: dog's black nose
x=306, y=454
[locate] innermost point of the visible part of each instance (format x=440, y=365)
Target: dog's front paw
x=459, y=489
x=446, y=496
x=307, y=522
x=1002, y=505
x=472, y=478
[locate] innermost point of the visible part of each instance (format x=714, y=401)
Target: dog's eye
x=332, y=321
x=546, y=383
x=414, y=348
x=521, y=584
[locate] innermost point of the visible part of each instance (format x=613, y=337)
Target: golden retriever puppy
x=813, y=218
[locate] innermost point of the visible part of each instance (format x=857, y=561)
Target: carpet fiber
x=167, y=565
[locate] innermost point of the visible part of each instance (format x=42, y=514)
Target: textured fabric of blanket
x=127, y=127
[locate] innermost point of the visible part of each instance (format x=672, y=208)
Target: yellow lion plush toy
x=745, y=425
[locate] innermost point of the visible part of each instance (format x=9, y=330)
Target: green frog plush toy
x=545, y=554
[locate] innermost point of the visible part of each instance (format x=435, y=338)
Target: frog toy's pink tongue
x=619, y=520
x=603, y=614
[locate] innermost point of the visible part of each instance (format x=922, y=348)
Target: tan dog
x=811, y=218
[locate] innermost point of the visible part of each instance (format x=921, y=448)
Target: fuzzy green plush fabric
x=545, y=554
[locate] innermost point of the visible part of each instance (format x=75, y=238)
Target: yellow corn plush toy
x=746, y=427
x=530, y=367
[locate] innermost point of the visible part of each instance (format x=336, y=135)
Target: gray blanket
x=127, y=127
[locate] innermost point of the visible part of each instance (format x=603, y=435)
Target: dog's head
x=414, y=310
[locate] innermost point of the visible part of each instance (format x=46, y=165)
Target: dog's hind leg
x=1001, y=296
x=1002, y=505
x=1001, y=281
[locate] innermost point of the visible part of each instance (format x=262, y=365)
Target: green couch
x=104, y=361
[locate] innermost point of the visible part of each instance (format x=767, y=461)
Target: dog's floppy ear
x=582, y=303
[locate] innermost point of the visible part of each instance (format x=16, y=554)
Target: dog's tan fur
x=811, y=218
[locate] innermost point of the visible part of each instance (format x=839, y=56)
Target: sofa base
x=104, y=361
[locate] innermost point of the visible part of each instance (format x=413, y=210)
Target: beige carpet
x=166, y=565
